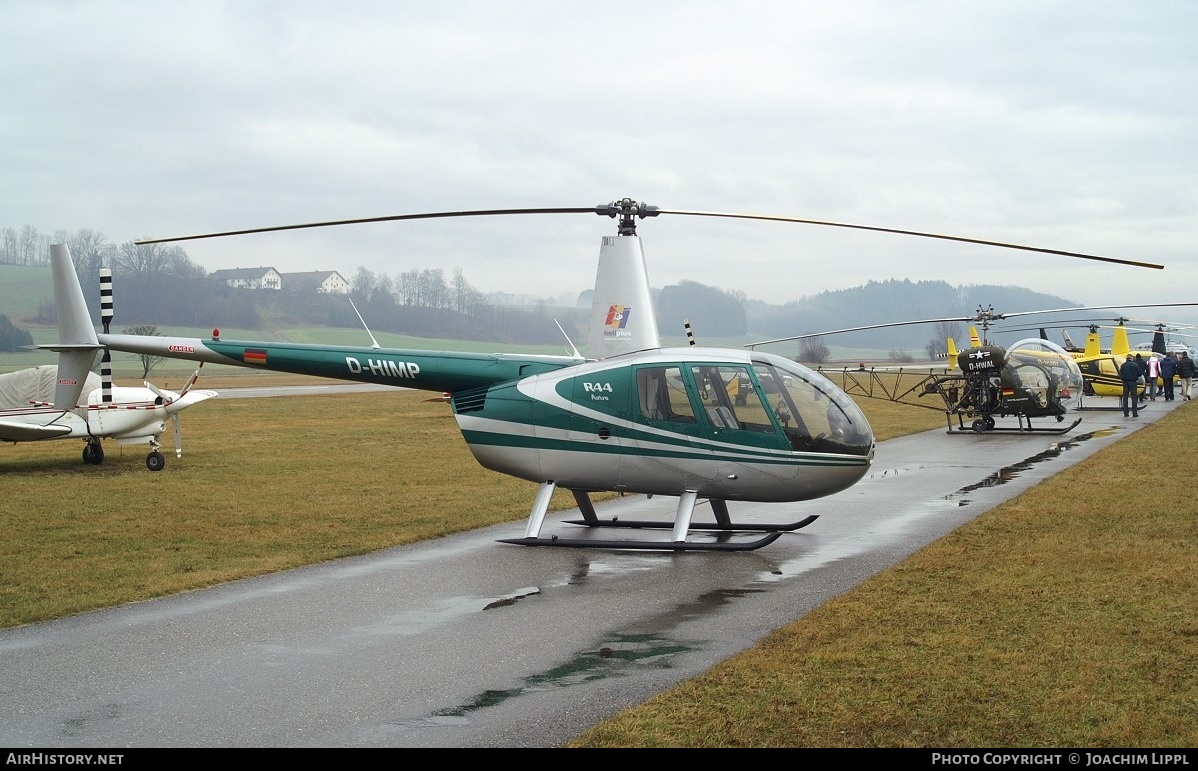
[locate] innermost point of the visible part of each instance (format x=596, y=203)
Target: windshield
x=813, y=412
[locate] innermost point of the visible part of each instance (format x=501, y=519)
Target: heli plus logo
x=617, y=321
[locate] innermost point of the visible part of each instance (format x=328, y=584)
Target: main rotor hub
x=628, y=210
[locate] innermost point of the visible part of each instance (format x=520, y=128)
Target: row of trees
x=160, y=284
x=12, y=337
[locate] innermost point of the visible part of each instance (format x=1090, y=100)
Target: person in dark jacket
x=1185, y=371
x=1168, y=372
x=1130, y=373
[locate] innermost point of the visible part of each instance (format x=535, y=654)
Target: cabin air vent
x=470, y=401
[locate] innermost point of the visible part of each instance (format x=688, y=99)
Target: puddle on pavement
x=1008, y=473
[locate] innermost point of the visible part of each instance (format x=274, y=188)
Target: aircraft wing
x=18, y=431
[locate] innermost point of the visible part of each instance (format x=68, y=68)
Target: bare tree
x=937, y=347
x=364, y=284
x=148, y=361
x=812, y=350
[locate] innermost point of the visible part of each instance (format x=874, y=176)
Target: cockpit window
x=815, y=415
x=772, y=396
x=730, y=399
x=662, y=395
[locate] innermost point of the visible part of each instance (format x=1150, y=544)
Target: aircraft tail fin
x=1120, y=344
x=1093, y=343
x=952, y=353
x=77, y=343
x=622, y=316
x=975, y=340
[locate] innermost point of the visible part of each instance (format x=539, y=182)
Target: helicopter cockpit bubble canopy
x=1042, y=365
x=811, y=408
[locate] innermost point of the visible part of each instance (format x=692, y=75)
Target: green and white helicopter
x=701, y=424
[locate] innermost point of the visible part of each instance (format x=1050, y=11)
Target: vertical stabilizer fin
x=1120, y=344
x=1158, y=342
x=77, y=342
x=622, y=315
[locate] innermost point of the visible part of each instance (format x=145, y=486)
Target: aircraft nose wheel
x=155, y=461
x=93, y=454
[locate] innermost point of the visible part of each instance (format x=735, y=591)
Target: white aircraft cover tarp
x=18, y=389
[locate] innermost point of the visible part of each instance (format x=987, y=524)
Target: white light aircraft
x=82, y=406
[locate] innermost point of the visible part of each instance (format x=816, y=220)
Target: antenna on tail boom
x=373, y=343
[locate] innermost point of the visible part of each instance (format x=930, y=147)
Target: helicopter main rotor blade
x=921, y=234
x=364, y=220
x=1090, y=308
x=629, y=210
x=856, y=329
x=984, y=317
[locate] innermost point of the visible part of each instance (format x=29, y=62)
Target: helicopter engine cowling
x=982, y=360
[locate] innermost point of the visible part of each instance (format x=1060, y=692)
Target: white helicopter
x=699, y=424
x=68, y=401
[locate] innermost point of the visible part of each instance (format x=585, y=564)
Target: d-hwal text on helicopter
x=701, y=424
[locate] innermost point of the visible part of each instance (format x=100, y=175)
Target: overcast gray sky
x=1066, y=125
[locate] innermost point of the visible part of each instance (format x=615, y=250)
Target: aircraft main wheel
x=989, y=422
x=93, y=453
x=979, y=425
x=155, y=461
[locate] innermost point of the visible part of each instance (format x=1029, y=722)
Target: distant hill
x=887, y=302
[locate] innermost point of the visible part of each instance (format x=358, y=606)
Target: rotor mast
x=627, y=210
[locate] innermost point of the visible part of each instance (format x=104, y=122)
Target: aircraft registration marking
x=383, y=367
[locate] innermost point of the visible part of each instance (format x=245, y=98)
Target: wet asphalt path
x=466, y=642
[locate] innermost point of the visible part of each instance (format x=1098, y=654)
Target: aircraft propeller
x=174, y=403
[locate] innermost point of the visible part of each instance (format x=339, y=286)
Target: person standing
x=1143, y=377
x=1185, y=371
x=1168, y=372
x=1130, y=373
x=1154, y=371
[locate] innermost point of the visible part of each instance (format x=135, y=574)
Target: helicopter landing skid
x=590, y=543
x=718, y=528
x=1023, y=428
x=723, y=530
